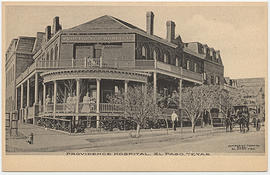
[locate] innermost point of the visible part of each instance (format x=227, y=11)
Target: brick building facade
x=99, y=58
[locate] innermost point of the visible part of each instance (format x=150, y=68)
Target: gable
x=103, y=22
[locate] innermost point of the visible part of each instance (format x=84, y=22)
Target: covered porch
x=80, y=94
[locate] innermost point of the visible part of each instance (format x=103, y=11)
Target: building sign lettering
x=109, y=38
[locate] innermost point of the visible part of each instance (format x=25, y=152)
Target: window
x=116, y=89
x=188, y=65
x=166, y=58
x=176, y=62
x=47, y=57
x=97, y=53
x=195, y=67
x=155, y=55
x=204, y=76
x=56, y=52
x=51, y=56
x=217, y=79
x=143, y=52
x=212, y=79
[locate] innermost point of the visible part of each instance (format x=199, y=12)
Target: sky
x=239, y=31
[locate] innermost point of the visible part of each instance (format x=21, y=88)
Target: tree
x=230, y=98
x=138, y=105
x=192, y=98
x=210, y=98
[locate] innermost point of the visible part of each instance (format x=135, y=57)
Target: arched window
x=195, y=67
x=166, y=58
x=143, y=52
x=51, y=56
x=47, y=57
x=155, y=55
x=56, y=52
x=176, y=61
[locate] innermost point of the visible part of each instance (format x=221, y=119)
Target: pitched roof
x=108, y=23
x=26, y=44
x=189, y=51
x=103, y=22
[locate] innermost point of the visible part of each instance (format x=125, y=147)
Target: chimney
x=170, y=30
x=56, y=25
x=150, y=23
x=48, y=33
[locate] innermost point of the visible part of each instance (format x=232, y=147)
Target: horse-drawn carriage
x=239, y=116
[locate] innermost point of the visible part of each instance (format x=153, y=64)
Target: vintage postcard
x=134, y=86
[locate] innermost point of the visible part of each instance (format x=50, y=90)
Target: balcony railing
x=84, y=108
x=84, y=63
x=152, y=64
x=192, y=75
x=87, y=107
x=115, y=63
x=145, y=64
x=107, y=107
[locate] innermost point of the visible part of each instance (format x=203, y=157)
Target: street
x=212, y=140
x=231, y=142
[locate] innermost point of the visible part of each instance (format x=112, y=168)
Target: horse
x=243, y=121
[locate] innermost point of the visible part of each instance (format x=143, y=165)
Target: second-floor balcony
x=113, y=63
x=149, y=65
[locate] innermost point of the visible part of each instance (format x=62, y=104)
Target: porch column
x=36, y=107
x=28, y=93
x=54, y=96
x=98, y=99
x=27, y=99
x=44, y=97
x=180, y=104
x=21, y=103
x=126, y=88
x=16, y=98
x=78, y=98
x=180, y=93
x=155, y=86
x=36, y=89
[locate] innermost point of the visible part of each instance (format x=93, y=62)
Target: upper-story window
x=43, y=57
x=47, y=57
x=188, y=65
x=176, y=61
x=51, y=56
x=214, y=56
x=217, y=80
x=56, y=52
x=144, y=52
x=204, y=76
x=155, y=57
x=212, y=79
x=166, y=58
x=195, y=67
x=97, y=53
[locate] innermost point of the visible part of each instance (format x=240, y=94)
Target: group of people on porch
x=88, y=103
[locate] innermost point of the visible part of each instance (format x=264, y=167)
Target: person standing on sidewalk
x=174, y=118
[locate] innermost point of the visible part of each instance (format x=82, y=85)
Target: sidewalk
x=52, y=141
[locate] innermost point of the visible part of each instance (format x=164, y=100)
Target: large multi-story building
x=59, y=67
